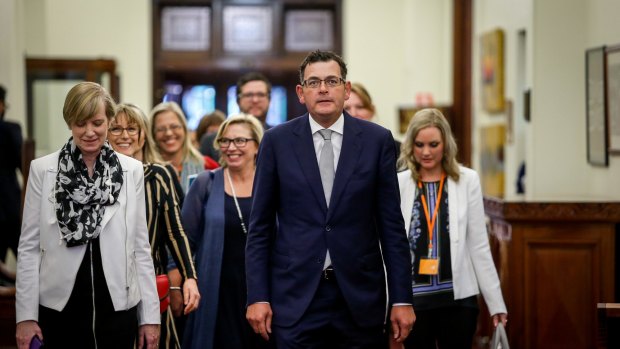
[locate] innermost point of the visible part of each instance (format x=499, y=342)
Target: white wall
x=559, y=168
x=398, y=48
x=114, y=29
x=512, y=16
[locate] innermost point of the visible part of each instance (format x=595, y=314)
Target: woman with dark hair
x=209, y=124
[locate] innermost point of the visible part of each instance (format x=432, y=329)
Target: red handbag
x=163, y=291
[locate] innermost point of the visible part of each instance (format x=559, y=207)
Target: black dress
x=232, y=330
x=89, y=315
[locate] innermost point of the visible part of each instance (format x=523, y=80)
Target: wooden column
x=556, y=261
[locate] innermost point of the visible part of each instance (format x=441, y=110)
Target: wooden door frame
x=462, y=77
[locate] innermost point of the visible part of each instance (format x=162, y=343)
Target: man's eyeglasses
x=165, y=129
x=331, y=81
x=117, y=130
x=251, y=95
x=239, y=142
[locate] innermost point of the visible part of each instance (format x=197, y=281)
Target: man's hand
x=402, y=320
x=25, y=331
x=191, y=296
x=150, y=334
x=259, y=316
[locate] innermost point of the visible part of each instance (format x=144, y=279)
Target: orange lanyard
x=430, y=221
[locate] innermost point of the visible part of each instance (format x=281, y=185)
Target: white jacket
x=472, y=264
x=47, y=268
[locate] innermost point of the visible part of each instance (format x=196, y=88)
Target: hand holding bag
x=500, y=339
x=163, y=291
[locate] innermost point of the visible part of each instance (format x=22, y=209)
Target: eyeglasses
x=164, y=129
x=251, y=95
x=331, y=81
x=240, y=142
x=117, y=130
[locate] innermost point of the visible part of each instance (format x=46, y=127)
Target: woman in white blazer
x=85, y=275
x=442, y=207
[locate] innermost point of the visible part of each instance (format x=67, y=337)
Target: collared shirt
x=337, y=134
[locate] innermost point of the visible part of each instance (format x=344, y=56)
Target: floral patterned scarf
x=81, y=199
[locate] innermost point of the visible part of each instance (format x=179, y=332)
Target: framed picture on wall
x=492, y=69
x=185, y=28
x=307, y=30
x=612, y=72
x=492, y=160
x=248, y=29
x=596, y=109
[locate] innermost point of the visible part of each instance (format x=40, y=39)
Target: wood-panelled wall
x=556, y=261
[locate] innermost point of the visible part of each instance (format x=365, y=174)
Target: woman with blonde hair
x=85, y=275
x=172, y=141
x=128, y=134
x=441, y=203
x=359, y=104
x=216, y=217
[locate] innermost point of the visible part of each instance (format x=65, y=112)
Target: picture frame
x=492, y=160
x=406, y=113
x=185, y=28
x=596, y=107
x=492, y=70
x=612, y=85
x=248, y=29
x=307, y=30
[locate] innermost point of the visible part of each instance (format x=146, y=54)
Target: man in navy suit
x=317, y=247
x=10, y=161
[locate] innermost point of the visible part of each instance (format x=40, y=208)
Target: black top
x=232, y=329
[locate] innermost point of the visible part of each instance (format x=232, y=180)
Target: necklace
x=232, y=188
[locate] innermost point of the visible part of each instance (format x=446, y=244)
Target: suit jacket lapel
x=304, y=149
x=453, y=205
x=349, y=155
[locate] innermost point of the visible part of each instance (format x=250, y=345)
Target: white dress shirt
x=337, y=128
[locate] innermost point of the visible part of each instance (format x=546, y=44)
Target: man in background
x=253, y=97
x=10, y=161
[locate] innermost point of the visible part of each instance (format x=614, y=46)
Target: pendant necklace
x=232, y=188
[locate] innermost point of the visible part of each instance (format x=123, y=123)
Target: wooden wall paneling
x=556, y=262
x=572, y=270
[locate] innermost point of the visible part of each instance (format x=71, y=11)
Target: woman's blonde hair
x=83, y=100
x=245, y=119
x=135, y=115
x=364, y=96
x=189, y=151
x=425, y=118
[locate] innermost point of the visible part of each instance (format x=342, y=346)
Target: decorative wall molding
x=552, y=211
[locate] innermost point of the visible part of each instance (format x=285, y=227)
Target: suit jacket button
x=328, y=228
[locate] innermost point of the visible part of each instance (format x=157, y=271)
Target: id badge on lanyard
x=430, y=265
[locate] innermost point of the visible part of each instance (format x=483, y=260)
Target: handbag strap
x=500, y=339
